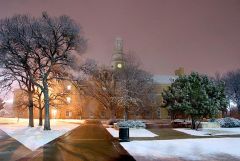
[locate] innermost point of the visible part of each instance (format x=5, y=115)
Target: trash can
x=123, y=134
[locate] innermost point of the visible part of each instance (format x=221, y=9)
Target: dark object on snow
x=124, y=134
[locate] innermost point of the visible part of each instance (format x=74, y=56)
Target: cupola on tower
x=117, y=57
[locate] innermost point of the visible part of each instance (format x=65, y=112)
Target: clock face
x=119, y=65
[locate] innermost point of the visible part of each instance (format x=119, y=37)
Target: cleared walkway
x=88, y=142
x=11, y=149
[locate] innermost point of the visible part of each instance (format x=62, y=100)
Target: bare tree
x=56, y=98
x=14, y=44
x=47, y=42
x=20, y=103
x=135, y=85
x=232, y=82
x=101, y=86
x=151, y=101
x=38, y=103
x=2, y=103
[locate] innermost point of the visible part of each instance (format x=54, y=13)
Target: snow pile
x=132, y=133
x=210, y=131
x=228, y=122
x=35, y=137
x=189, y=149
x=131, y=124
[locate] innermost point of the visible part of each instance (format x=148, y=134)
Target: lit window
x=68, y=113
x=69, y=99
x=69, y=87
x=54, y=113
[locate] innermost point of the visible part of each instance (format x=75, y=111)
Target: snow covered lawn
x=36, y=137
x=132, y=132
x=210, y=131
x=189, y=149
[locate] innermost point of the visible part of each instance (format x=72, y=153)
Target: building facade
x=67, y=102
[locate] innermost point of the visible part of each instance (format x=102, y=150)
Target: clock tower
x=117, y=57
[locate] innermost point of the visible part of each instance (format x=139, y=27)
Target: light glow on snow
x=132, y=133
x=192, y=149
x=35, y=137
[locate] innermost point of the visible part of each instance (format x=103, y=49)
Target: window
x=159, y=113
x=68, y=114
x=68, y=99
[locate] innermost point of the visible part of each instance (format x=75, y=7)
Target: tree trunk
x=223, y=113
x=153, y=112
x=193, y=123
x=40, y=110
x=172, y=115
x=125, y=114
x=238, y=107
x=46, y=103
x=113, y=114
x=40, y=117
x=30, y=109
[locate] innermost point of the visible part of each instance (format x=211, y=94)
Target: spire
x=119, y=44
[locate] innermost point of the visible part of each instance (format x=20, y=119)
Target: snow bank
x=210, y=131
x=35, y=137
x=132, y=133
x=228, y=122
x=131, y=124
x=192, y=149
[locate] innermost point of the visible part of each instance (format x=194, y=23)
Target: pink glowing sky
x=200, y=35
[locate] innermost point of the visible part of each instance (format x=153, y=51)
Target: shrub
x=131, y=124
x=228, y=122
x=112, y=121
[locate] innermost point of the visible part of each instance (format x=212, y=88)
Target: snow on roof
x=164, y=79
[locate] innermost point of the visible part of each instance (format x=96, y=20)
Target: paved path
x=88, y=142
x=11, y=149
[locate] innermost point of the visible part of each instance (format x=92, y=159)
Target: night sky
x=199, y=35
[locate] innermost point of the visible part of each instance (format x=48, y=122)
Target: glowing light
x=119, y=65
x=69, y=99
x=54, y=113
x=69, y=87
x=232, y=104
x=9, y=101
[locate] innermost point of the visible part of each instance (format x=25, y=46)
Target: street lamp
x=69, y=87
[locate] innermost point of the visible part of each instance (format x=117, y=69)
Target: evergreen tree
x=196, y=96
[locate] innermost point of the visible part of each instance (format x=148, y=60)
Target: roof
x=164, y=79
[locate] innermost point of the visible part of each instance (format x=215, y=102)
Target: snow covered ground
x=35, y=137
x=189, y=149
x=132, y=133
x=4, y=120
x=210, y=131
